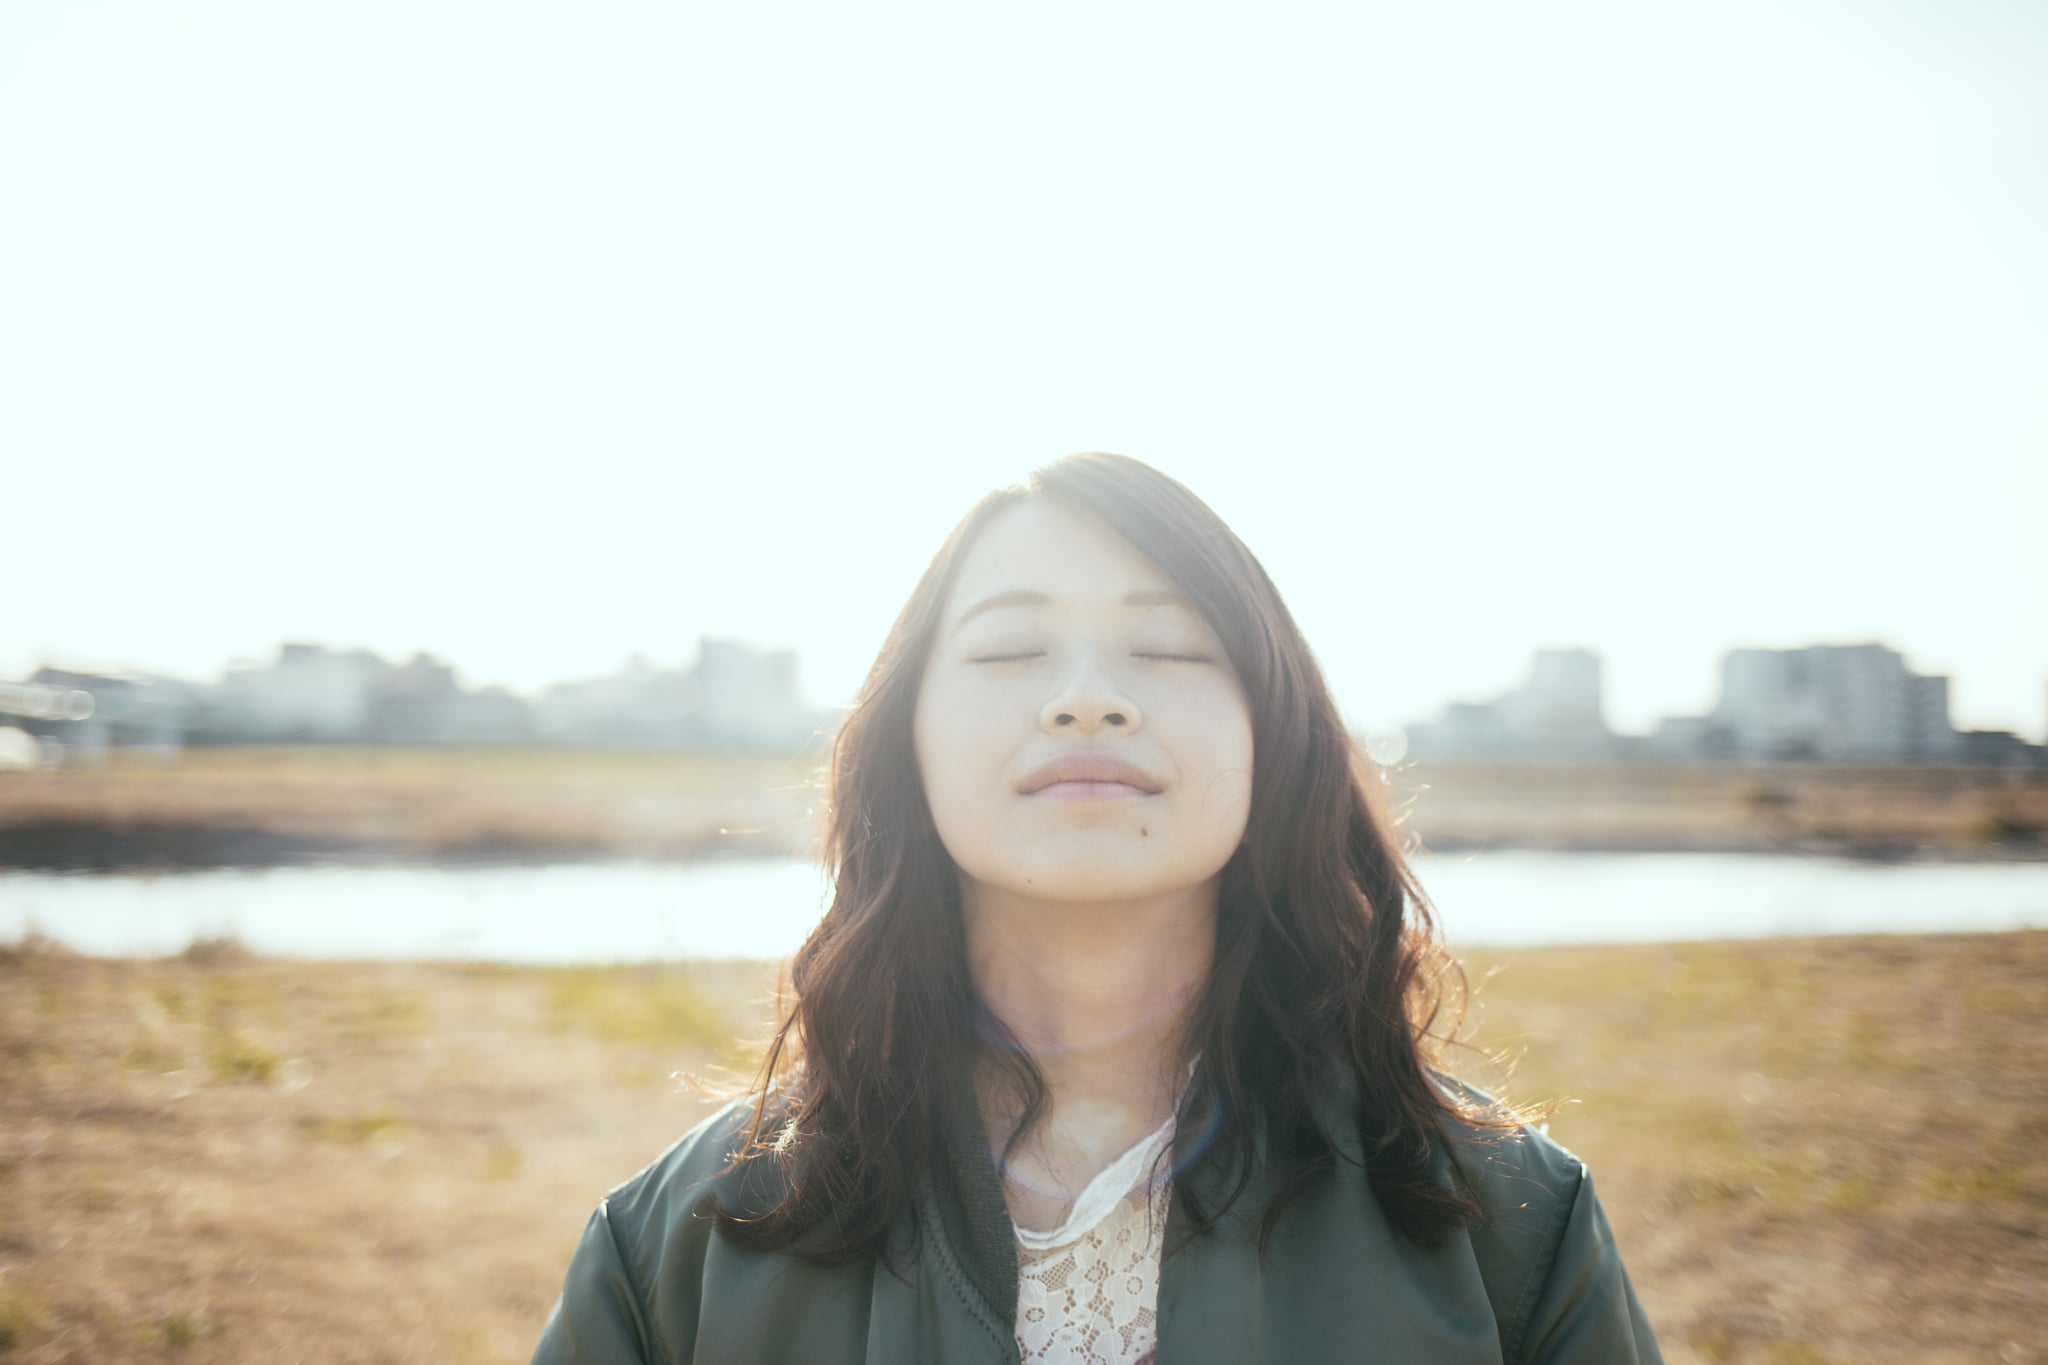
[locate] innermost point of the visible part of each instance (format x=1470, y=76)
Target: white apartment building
x=1556, y=714
x=1838, y=703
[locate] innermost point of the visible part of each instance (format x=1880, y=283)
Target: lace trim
x=1094, y=1300
x=1111, y=1184
x=1088, y=1289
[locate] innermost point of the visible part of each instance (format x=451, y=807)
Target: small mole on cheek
x=1143, y=832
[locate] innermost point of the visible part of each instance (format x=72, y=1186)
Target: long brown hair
x=1327, y=966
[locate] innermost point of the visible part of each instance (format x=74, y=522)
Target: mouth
x=1089, y=776
x=1089, y=791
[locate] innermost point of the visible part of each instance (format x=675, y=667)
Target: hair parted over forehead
x=1328, y=974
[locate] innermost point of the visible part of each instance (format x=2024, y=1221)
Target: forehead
x=1044, y=545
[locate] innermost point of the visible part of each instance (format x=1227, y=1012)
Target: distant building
x=1557, y=714
x=1999, y=749
x=640, y=706
x=491, y=715
x=1836, y=703
x=1824, y=703
x=737, y=696
x=83, y=715
x=310, y=694
x=749, y=698
x=1679, y=739
x=417, y=702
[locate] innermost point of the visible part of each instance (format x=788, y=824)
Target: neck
x=1099, y=996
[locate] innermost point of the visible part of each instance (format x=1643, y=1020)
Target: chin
x=1100, y=875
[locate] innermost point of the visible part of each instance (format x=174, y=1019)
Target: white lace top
x=1088, y=1290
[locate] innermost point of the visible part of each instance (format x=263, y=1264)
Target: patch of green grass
x=237, y=1059
x=2004, y=823
x=503, y=1161
x=222, y=950
x=1975, y=1181
x=147, y=1057
x=1721, y=1345
x=32, y=949
x=25, y=1056
x=1716, y=1344
x=630, y=1005
x=1855, y=1192
x=383, y=1016
x=229, y=992
x=182, y=1328
x=18, y=1320
x=353, y=1012
x=353, y=1130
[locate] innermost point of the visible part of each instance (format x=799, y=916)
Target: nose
x=1088, y=699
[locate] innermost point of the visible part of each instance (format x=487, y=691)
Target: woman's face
x=1060, y=642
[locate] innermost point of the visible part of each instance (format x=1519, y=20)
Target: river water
x=626, y=911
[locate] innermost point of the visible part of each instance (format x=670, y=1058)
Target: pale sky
x=538, y=336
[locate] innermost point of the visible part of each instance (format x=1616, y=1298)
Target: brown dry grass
x=226, y=1159
x=1812, y=1150
x=1957, y=812
x=259, y=805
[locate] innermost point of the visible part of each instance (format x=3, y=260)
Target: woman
x=1117, y=1037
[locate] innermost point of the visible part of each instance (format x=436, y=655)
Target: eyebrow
x=1026, y=597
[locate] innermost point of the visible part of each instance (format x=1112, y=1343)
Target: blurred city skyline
x=538, y=340
x=1402, y=695
x=1557, y=697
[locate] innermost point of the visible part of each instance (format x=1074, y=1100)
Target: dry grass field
x=1812, y=1151
x=255, y=806
x=1889, y=810
x=260, y=805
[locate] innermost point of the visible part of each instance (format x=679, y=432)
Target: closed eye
x=1039, y=654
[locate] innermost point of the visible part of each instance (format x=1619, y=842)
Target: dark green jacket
x=652, y=1280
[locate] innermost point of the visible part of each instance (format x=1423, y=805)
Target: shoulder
x=1524, y=1181
x=1543, y=1247
x=691, y=1179
x=1521, y=1176
x=630, y=1289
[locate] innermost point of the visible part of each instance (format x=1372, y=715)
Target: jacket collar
x=975, y=1217
x=971, y=1207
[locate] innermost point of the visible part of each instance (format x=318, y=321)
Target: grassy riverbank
x=258, y=806
x=1814, y=1150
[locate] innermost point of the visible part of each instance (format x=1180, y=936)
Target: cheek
x=956, y=743
x=1229, y=754
x=1221, y=720
x=928, y=739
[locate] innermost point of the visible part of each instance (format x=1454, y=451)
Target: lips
x=1088, y=770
